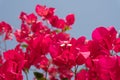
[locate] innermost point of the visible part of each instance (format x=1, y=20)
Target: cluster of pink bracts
x=45, y=44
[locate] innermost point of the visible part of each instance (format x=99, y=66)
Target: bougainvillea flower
x=53, y=72
x=61, y=24
x=55, y=52
x=110, y=65
x=1, y=60
x=23, y=33
x=117, y=45
x=29, y=19
x=15, y=56
x=82, y=75
x=53, y=21
x=43, y=63
x=41, y=10
x=104, y=68
x=44, y=12
x=23, y=16
x=37, y=48
x=62, y=37
x=96, y=50
x=10, y=71
x=7, y=29
x=100, y=33
x=65, y=73
x=39, y=28
x=105, y=37
x=112, y=32
x=65, y=58
x=70, y=19
x=41, y=44
x=12, y=67
x=81, y=58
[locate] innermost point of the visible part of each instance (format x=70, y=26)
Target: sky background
x=89, y=13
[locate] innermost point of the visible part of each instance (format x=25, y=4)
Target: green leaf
x=65, y=79
x=39, y=76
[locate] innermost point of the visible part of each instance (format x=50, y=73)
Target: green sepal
x=24, y=45
x=57, y=30
x=66, y=28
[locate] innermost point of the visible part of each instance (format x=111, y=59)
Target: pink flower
x=39, y=28
x=12, y=67
x=7, y=29
x=37, y=48
x=9, y=71
x=117, y=45
x=104, y=68
x=52, y=72
x=57, y=22
x=44, y=12
x=65, y=73
x=29, y=19
x=105, y=37
x=53, y=21
x=22, y=34
x=70, y=19
x=82, y=75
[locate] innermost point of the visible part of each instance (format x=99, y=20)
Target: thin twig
x=5, y=45
x=76, y=67
x=26, y=75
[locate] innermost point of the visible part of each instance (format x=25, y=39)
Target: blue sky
x=89, y=13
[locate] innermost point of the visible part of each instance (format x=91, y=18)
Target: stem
x=5, y=45
x=76, y=67
x=46, y=75
x=26, y=75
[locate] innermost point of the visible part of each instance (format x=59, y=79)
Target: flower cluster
x=44, y=44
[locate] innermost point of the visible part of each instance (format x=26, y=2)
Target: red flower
x=12, y=67
x=44, y=12
x=82, y=75
x=23, y=34
x=42, y=63
x=81, y=58
x=7, y=29
x=117, y=45
x=53, y=72
x=107, y=68
x=70, y=19
x=37, y=48
x=61, y=24
x=64, y=72
x=9, y=71
x=53, y=21
x=41, y=10
x=39, y=28
x=105, y=37
x=29, y=19
x=15, y=56
x=104, y=68
x=56, y=22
